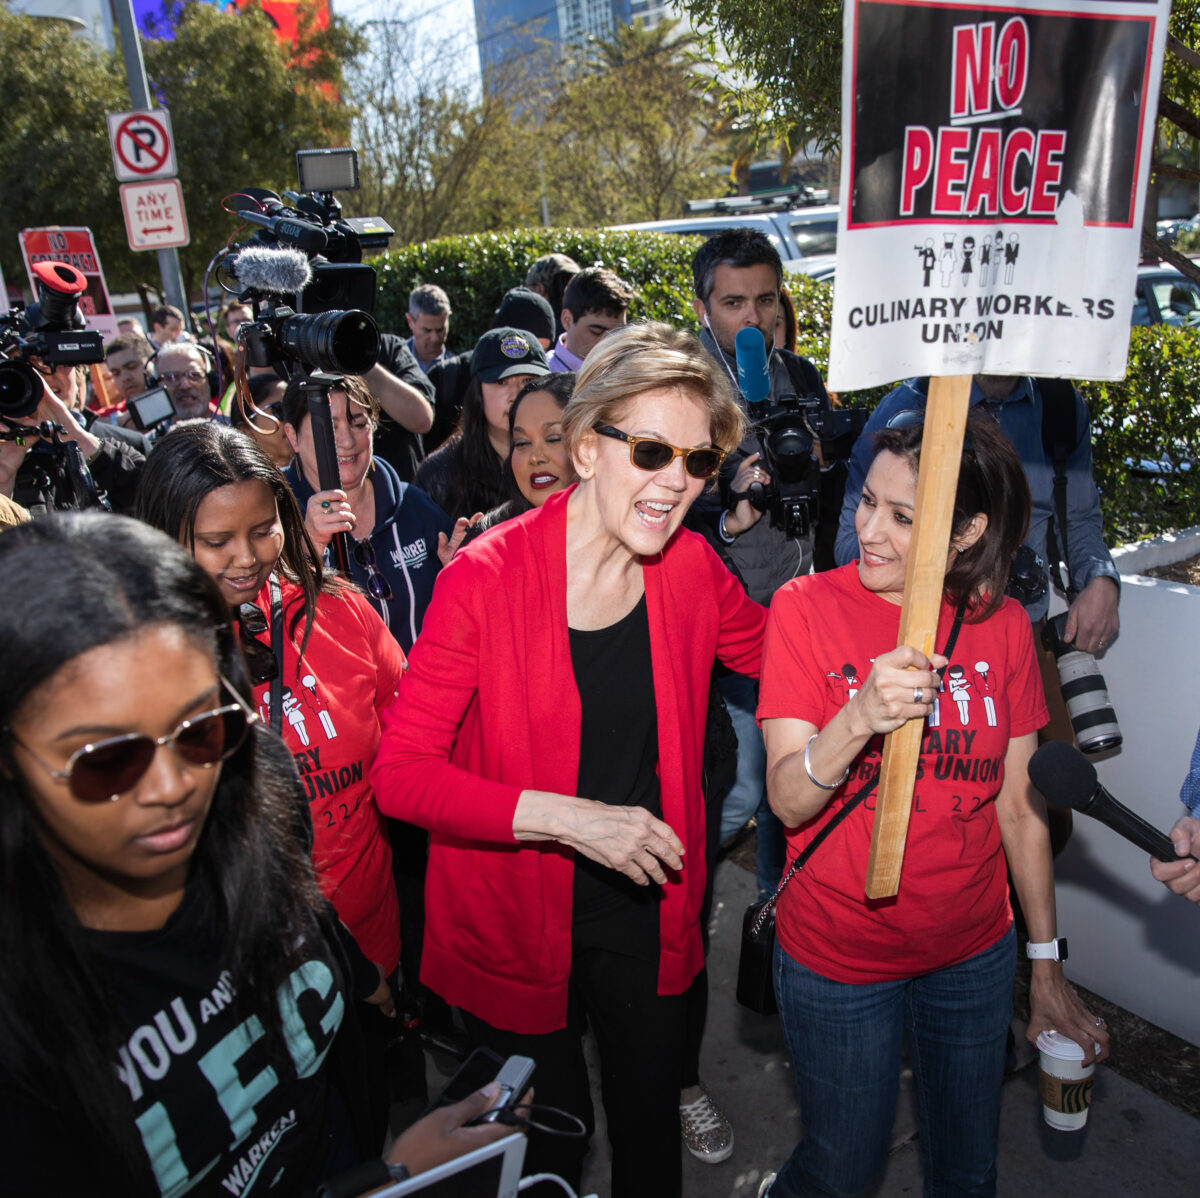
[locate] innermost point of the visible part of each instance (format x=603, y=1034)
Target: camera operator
x=737, y=276
x=35, y=473
x=405, y=396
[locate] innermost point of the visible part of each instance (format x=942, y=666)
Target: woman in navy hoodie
x=393, y=526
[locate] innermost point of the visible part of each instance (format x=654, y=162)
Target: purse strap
x=848, y=806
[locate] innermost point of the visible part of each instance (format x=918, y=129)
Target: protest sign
x=994, y=167
x=77, y=248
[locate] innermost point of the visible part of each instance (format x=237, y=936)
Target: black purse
x=755, y=983
x=755, y=980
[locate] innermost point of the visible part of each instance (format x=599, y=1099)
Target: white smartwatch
x=1047, y=950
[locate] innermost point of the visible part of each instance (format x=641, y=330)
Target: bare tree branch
x=1184, y=53
x=1155, y=247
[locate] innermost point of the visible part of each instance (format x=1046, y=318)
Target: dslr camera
x=52, y=330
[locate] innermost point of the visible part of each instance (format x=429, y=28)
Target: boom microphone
x=1066, y=777
x=278, y=271
x=301, y=234
x=753, y=378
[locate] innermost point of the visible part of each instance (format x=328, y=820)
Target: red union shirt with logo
x=823, y=635
x=333, y=698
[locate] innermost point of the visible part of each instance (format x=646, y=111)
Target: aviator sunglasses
x=648, y=453
x=378, y=587
x=106, y=769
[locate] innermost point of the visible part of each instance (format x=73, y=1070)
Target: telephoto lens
x=1084, y=689
x=340, y=342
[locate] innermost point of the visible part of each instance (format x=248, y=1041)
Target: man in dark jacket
x=36, y=472
x=737, y=275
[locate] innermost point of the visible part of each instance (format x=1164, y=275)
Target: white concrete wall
x=1130, y=940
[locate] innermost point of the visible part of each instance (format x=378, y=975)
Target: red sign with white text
x=77, y=248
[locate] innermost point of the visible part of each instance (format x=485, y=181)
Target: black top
x=618, y=764
x=393, y=442
x=213, y=1107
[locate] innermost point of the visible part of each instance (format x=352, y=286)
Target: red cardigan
x=489, y=707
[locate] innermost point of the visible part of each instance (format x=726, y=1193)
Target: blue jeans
x=846, y=1043
x=748, y=795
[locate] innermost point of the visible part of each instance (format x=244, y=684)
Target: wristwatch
x=1047, y=950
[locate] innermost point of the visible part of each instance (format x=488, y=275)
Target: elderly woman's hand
x=901, y=686
x=627, y=839
x=327, y=514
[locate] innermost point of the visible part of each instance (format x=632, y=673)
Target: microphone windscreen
x=1063, y=775
x=753, y=377
x=276, y=270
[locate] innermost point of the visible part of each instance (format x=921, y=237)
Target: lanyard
x=277, y=650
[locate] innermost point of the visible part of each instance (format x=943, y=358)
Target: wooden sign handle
x=924, y=582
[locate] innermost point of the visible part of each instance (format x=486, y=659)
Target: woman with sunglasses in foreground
x=394, y=527
x=174, y=1007
x=323, y=664
x=549, y=734
x=934, y=966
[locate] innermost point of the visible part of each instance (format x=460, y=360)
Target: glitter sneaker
x=706, y=1132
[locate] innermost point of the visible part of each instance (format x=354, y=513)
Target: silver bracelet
x=725, y=536
x=808, y=768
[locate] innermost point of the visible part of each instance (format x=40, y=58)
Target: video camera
x=51, y=330
x=797, y=436
x=311, y=292
x=788, y=436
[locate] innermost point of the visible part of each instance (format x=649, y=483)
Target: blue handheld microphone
x=754, y=379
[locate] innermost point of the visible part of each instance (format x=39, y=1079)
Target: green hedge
x=476, y=271
x=1150, y=416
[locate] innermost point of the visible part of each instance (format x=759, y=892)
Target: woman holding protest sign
x=855, y=978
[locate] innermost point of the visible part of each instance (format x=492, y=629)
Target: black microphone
x=1066, y=777
x=302, y=235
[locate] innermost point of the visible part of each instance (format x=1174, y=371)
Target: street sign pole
x=139, y=93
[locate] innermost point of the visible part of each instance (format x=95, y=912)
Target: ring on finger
x=918, y=694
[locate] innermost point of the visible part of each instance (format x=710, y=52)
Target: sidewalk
x=1135, y=1143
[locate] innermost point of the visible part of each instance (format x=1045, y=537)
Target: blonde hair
x=649, y=357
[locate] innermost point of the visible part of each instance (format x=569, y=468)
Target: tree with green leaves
x=241, y=104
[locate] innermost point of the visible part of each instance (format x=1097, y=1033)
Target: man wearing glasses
x=182, y=367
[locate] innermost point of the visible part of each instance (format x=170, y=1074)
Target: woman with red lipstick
x=549, y=735
x=325, y=667
x=538, y=464
x=856, y=979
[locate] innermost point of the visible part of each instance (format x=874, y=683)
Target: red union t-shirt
x=333, y=699
x=823, y=634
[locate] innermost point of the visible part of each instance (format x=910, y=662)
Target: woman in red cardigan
x=549, y=734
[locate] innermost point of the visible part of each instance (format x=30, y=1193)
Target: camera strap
x=277, y=649
x=1058, y=440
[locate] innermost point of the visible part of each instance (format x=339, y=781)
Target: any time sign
x=154, y=215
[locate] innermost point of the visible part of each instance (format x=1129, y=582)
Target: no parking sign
x=142, y=145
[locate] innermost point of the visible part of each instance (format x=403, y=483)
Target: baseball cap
x=500, y=353
x=524, y=309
